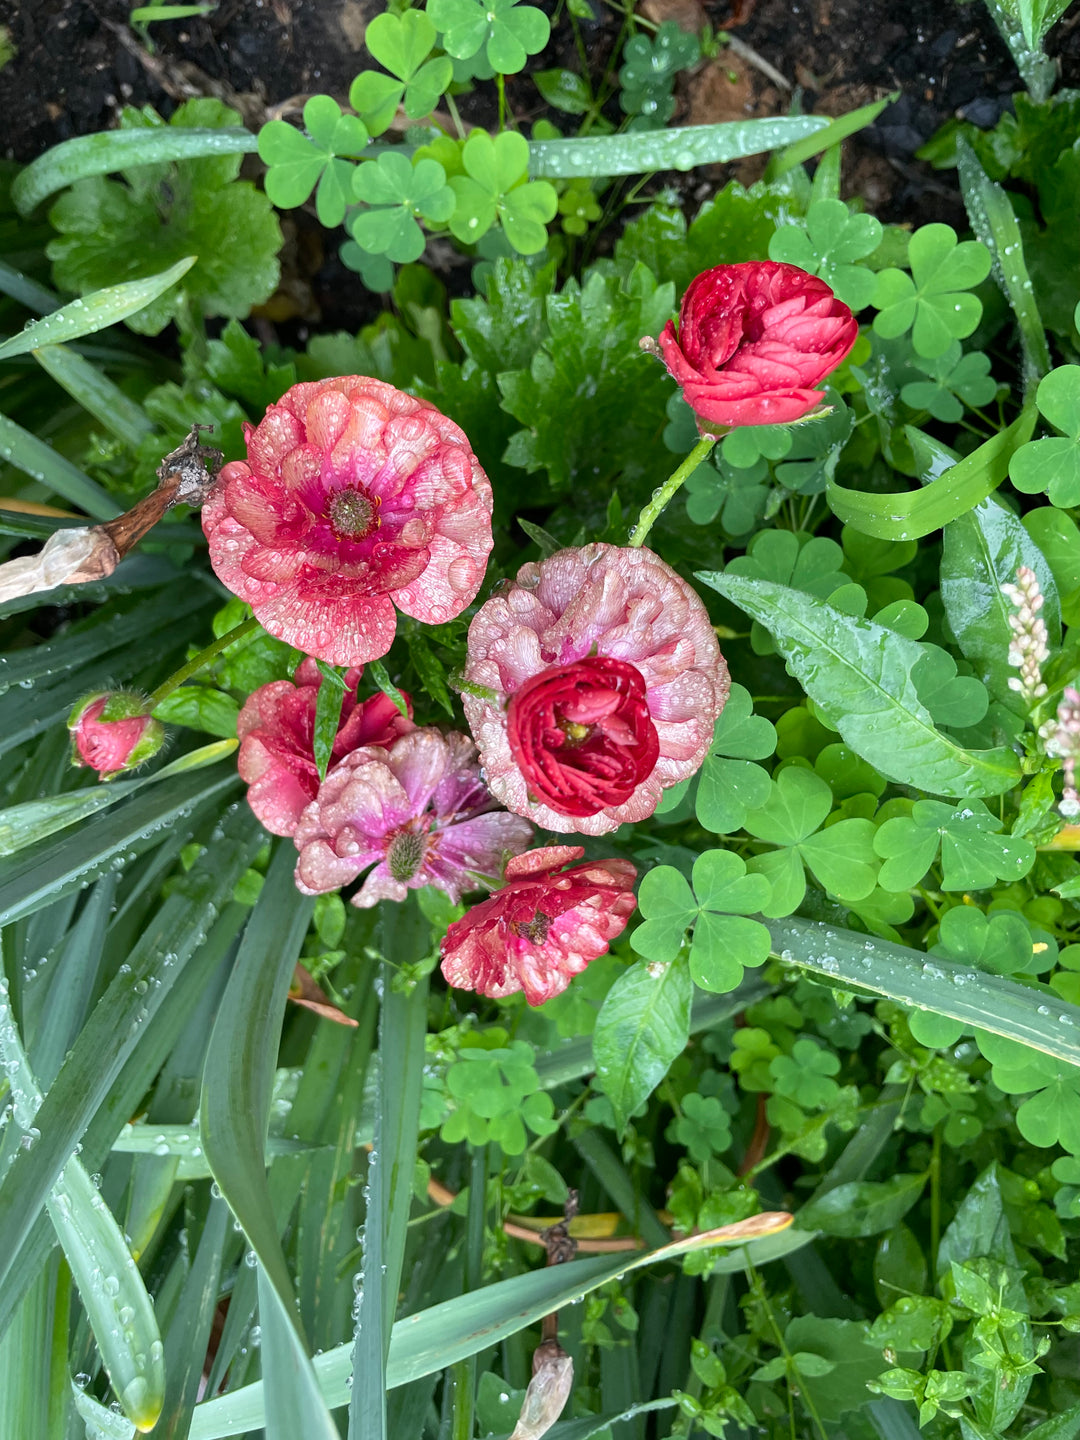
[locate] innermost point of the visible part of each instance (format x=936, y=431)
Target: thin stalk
x=661, y=498
x=463, y=1422
x=204, y=657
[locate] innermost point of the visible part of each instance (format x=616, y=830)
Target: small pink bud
x=113, y=731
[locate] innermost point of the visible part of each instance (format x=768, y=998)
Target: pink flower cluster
x=592, y=682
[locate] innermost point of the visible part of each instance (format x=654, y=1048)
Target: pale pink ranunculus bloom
x=276, y=728
x=356, y=501
x=604, y=681
x=542, y=927
x=414, y=814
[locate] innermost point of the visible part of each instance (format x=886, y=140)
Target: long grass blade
x=110, y=1287
x=94, y=312
x=1032, y=1016
x=96, y=393
x=42, y=463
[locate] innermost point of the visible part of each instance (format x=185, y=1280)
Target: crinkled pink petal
x=415, y=813
x=543, y=927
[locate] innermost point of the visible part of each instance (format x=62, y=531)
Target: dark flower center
x=406, y=854
x=582, y=734
x=353, y=514
x=534, y=930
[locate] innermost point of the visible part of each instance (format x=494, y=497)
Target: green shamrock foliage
x=579, y=206
x=791, y=820
x=402, y=44
x=955, y=380
x=649, y=68
x=952, y=699
x=496, y=1093
x=506, y=31
x=827, y=243
x=297, y=163
x=1051, y=1114
x=396, y=192
x=730, y=783
x=495, y=187
x=113, y=230
x=932, y=301
x=804, y=562
x=974, y=853
x=1053, y=465
x=724, y=940
x=703, y=1128
x=805, y=1075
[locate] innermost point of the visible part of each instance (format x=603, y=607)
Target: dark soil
x=78, y=61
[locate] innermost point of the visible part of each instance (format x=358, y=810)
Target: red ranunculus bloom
x=593, y=682
x=753, y=342
x=355, y=499
x=277, y=741
x=543, y=927
x=113, y=731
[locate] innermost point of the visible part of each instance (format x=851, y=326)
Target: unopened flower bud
x=548, y=1392
x=113, y=731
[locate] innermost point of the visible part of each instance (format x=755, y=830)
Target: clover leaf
x=931, y=301
x=703, y=1128
x=648, y=71
x=402, y=44
x=397, y=191
x=803, y=562
x=1001, y=943
x=952, y=699
x=495, y=1094
x=815, y=449
x=298, y=163
x=724, y=941
x=1053, y=465
x=805, y=1075
x=826, y=243
x=494, y=186
x=739, y=497
x=743, y=446
x=1051, y=1116
x=505, y=30
x=955, y=380
x=579, y=206
x=791, y=819
x=974, y=854
x=730, y=783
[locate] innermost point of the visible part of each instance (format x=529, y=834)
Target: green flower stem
x=204, y=657
x=652, y=511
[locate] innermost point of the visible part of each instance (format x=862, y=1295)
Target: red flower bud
x=753, y=341
x=114, y=731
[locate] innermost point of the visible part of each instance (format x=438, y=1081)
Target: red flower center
x=353, y=513
x=582, y=734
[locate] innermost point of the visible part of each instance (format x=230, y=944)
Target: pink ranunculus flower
x=753, y=342
x=355, y=499
x=596, y=680
x=415, y=814
x=543, y=927
x=277, y=741
x=113, y=731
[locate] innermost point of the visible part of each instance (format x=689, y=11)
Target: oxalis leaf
x=860, y=674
